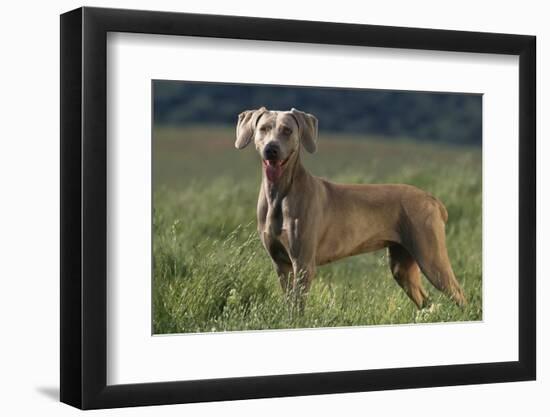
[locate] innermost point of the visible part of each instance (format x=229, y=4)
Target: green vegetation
x=211, y=272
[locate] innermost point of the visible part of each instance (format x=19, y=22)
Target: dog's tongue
x=273, y=170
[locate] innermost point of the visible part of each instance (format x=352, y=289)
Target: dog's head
x=277, y=136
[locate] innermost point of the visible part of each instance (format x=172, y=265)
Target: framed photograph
x=256, y=208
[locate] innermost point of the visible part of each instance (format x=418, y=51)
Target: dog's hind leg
x=406, y=272
x=430, y=251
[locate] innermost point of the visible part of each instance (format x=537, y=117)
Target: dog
x=306, y=221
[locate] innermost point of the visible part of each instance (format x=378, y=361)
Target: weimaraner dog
x=305, y=221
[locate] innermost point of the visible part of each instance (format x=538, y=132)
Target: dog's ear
x=308, y=125
x=246, y=124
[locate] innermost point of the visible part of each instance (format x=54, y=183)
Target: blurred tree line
x=442, y=117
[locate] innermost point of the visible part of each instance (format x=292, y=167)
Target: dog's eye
x=264, y=128
x=287, y=131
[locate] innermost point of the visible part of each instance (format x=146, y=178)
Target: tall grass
x=211, y=272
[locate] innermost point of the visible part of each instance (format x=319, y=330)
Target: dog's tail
x=441, y=206
x=442, y=209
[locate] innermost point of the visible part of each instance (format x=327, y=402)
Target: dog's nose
x=271, y=151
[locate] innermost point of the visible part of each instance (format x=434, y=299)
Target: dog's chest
x=275, y=228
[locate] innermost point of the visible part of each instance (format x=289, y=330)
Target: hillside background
x=440, y=117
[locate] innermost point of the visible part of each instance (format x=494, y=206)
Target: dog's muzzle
x=272, y=164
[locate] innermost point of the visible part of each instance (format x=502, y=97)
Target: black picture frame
x=84, y=207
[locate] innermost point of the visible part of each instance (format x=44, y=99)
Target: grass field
x=211, y=272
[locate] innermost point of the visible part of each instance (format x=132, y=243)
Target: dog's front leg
x=303, y=276
x=302, y=255
x=285, y=274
